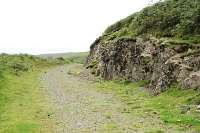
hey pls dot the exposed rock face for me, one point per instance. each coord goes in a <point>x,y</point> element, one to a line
<point>161,63</point>
<point>193,81</point>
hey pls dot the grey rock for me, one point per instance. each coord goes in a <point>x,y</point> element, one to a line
<point>193,81</point>
<point>139,59</point>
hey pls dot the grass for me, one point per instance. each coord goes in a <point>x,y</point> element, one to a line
<point>155,131</point>
<point>167,106</point>
<point>110,127</point>
<point>23,105</point>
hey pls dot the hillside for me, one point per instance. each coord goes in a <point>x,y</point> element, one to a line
<point>159,44</point>
<point>170,18</point>
<point>159,47</point>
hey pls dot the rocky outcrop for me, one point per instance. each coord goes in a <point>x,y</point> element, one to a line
<point>160,62</point>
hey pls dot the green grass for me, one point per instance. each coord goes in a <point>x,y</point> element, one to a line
<point>110,127</point>
<point>155,131</point>
<point>23,105</point>
<point>167,105</point>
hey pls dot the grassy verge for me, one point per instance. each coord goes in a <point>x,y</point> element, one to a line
<point>174,106</point>
<point>24,109</point>
<point>23,106</point>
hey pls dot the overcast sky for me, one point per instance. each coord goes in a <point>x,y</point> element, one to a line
<point>53,26</point>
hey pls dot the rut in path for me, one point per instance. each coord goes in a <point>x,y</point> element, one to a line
<point>78,107</point>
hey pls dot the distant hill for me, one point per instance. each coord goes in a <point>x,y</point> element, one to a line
<point>79,57</point>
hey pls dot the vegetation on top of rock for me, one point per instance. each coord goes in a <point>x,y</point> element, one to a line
<point>168,18</point>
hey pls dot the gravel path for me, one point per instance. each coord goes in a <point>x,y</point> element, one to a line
<point>79,108</point>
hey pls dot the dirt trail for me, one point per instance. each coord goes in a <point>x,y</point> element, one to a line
<point>80,108</point>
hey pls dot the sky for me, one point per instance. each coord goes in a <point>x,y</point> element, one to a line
<point>56,26</point>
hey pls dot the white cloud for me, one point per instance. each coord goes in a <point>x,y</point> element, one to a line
<point>46,26</point>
